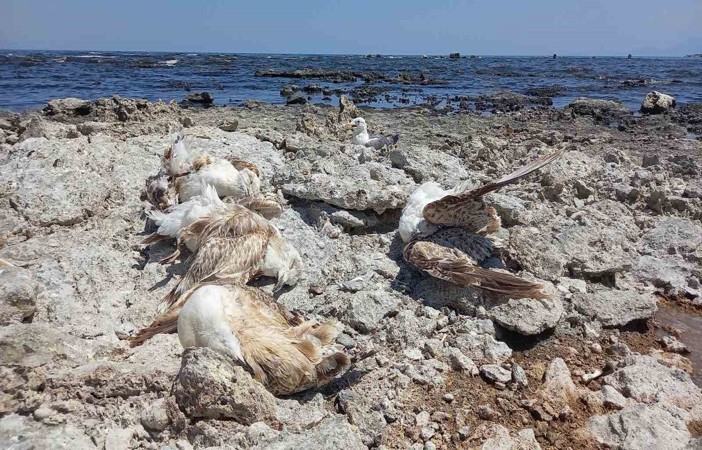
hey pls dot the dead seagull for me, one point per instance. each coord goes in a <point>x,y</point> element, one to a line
<point>247,325</point>
<point>361,137</point>
<point>445,231</point>
<point>233,248</point>
<point>221,173</point>
<point>177,217</point>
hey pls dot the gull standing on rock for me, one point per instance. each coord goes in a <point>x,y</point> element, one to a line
<point>361,137</point>
<point>444,234</point>
<point>244,323</point>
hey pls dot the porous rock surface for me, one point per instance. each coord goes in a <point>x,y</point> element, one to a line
<point>611,225</point>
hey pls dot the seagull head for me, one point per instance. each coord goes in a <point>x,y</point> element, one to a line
<point>357,125</point>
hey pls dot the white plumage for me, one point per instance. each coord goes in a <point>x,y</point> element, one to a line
<point>180,216</point>
<point>220,173</point>
<point>178,159</point>
<point>202,323</point>
<point>361,137</point>
<point>412,222</point>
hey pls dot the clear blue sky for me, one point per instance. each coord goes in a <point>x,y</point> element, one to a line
<point>497,27</point>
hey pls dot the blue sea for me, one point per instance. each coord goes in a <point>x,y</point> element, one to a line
<point>28,79</point>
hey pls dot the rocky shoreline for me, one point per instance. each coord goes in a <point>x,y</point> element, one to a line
<point>614,225</point>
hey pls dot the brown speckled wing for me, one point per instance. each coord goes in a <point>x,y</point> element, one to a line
<point>454,266</point>
<point>234,260</point>
<point>240,164</point>
<point>469,210</point>
<point>268,207</point>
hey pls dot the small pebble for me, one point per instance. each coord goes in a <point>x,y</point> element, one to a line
<point>464,433</point>
<point>426,433</point>
<point>596,348</point>
<point>448,397</point>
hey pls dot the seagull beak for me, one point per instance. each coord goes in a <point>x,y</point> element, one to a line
<point>350,126</point>
<point>279,285</point>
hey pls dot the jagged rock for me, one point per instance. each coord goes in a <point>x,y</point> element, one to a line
<point>210,386</point>
<point>497,437</point>
<point>22,432</point>
<point>424,164</point>
<point>365,310</point>
<point>512,210</point>
<point>303,413</point>
<point>38,344</point>
<point>613,308</point>
<point>155,416</point>
<point>69,106</point>
<point>296,99</point>
<point>671,274</point>
<point>640,426</point>
<point>495,373</point>
<point>119,438</point>
<point>612,397</point>
<point>230,125</point>
<point>519,376</point>
<point>601,110</point>
<point>657,103</point>
<point>644,379</point>
<point>477,341</point>
<point>332,434</point>
<point>199,98</point>
<point>558,388</point>
<point>528,316</point>
<point>673,345</point>
<point>595,244</point>
<point>341,181</point>
<point>347,110</point>
<point>461,362</point>
<point>18,295</point>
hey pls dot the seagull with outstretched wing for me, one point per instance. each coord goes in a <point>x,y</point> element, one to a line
<point>445,235</point>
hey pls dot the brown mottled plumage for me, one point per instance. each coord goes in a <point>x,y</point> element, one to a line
<point>468,209</point>
<point>246,324</point>
<point>240,164</point>
<point>267,205</point>
<point>451,244</point>
<point>232,248</point>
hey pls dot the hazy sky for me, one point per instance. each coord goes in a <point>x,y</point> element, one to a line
<point>497,27</point>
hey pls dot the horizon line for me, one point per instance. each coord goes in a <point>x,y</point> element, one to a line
<point>544,55</point>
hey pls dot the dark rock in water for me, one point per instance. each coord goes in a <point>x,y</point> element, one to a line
<point>333,76</point>
<point>690,116</point>
<point>601,110</point>
<point>505,101</point>
<point>69,106</point>
<point>312,89</point>
<point>657,103</point>
<point>289,89</point>
<point>636,82</point>
<point>296,99</point>
<point>454,56</point>
<point>368,94</point>
<point>198,98</point>
<point>546,91</point>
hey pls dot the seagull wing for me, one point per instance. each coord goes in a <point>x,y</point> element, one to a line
<point>469,210</point>
<point>240,164</point>
<point>452,265</point>
<point>383,141</point>
<point>234,260</point>
<point>267,207</point>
